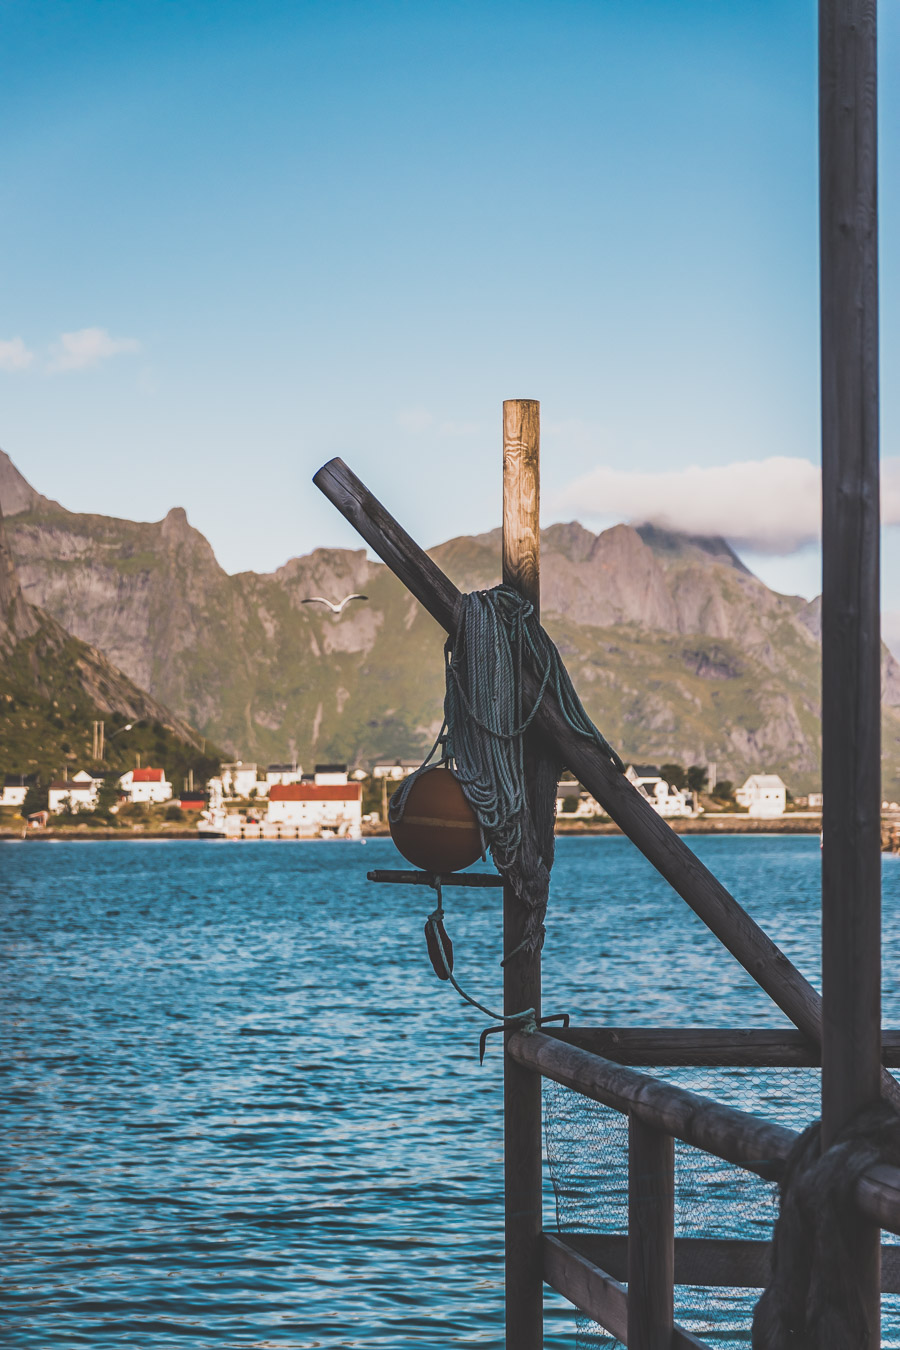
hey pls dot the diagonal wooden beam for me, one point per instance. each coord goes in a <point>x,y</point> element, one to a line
<point>631,811</point>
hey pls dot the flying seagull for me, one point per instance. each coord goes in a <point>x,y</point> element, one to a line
<point>335,609</point>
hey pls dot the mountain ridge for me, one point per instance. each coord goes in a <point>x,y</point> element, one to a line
<point>678,650</point>
<point>53,686</point>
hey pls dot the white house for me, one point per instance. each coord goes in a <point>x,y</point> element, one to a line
<point>310,807</point>
<point>283,773</point>
<point>15,786</point>
<point>670,802</point>
<point>146,785</point>
<point>400,768</point>
<point>763,794</point>
<point>76,794</point>
<point>574,802</point>
<point>239,779</point>
<point>330,775</point>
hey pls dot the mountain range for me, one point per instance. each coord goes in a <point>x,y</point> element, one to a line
<point>54,687</point>
<point>678,651</point>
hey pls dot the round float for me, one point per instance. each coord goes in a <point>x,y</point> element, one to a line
<point>438,830</point>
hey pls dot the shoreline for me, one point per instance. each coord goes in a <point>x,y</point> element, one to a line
<point>720,824</point>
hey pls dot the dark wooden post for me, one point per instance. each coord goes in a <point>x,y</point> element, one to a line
<point>522,975</point>
<point>651,1237</point>
<point>851,645</point>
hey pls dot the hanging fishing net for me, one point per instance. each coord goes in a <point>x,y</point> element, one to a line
<point>587,1155</point>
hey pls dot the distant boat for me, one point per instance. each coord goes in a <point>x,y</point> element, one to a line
<point>212,824</point>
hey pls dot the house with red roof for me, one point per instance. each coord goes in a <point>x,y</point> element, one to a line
<point>146,785</point>
<point>312,807</point>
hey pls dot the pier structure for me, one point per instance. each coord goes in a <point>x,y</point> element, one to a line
<point>626,1281</point>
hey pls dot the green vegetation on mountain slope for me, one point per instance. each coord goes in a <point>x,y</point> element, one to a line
<point>679,653</point>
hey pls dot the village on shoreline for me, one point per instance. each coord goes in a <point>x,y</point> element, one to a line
<point>334,801</point>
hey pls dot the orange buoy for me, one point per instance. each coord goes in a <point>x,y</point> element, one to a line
<point>438,830</point>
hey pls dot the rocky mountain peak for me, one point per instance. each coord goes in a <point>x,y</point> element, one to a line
<point>17,618</point>
<point>572,540</point>
<point>671,546</point>
<point>16,493</point>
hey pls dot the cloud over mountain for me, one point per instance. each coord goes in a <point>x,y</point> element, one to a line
<point>769,505</point>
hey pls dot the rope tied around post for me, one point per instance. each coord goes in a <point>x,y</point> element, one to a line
<point>813,1301</point>
<point>484,739</point>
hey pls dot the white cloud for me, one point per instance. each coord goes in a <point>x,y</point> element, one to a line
<point>88,347</point>
<point>14,355</point>
<point>770,505</point>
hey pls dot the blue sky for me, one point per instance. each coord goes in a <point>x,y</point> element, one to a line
<point>238,239</point>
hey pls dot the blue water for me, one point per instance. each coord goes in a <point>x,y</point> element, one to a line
<point>240,1110</point>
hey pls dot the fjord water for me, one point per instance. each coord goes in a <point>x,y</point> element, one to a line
<point>239,1109</point>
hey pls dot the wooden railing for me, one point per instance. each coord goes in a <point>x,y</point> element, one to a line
<point>627,1282</point>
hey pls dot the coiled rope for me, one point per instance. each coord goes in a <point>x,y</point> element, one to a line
<point>484,739</point>
<point>812,1301</point>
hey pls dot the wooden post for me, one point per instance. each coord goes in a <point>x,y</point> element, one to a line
<point>851,642</point>
<point>522,974</point>
<point>651,1237</point>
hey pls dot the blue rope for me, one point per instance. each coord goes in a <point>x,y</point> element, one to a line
<point>483,736</point>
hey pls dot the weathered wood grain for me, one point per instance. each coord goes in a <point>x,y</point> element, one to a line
<point>731,1047</point>
<point>522,1106</point>
<point>596,1293</point>
<point>851,638</point>
<point>737,1136</point>
<point>732,1263</point>
<point>591,1289</point>
<point>651,1236</point>
<point>522,497</point>
<point>406,878</point>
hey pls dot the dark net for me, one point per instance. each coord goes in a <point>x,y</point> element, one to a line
<point>587,1154</point>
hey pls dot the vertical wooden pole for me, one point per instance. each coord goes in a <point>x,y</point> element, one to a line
<point>851,646</point>
<point>522,974</point>
<point>651,1237</point>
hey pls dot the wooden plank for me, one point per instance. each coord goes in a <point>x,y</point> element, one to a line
<point>586,1285</point>
<point>851,642</point>
<point>595,1292</point>
<point>718,1263</point>
<point>878,1196</point>
<point>661,1047</point>
<point>522,1106</point>
<point>851,634</point>
<point>666,850</point>
<point>522,497</point>
<point>404,878</point>
<point>713,1047</point>
<point>651,1236</point>
<point>735,1263</point>
<point>736,1136</point>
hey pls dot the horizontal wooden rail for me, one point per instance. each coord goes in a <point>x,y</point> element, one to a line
<point>395,877</point>
<point>631,811</point>
<point>595,1292</point>
<point>724,1263</point>
<point>737,1137</point>
<point>699,1047</point>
